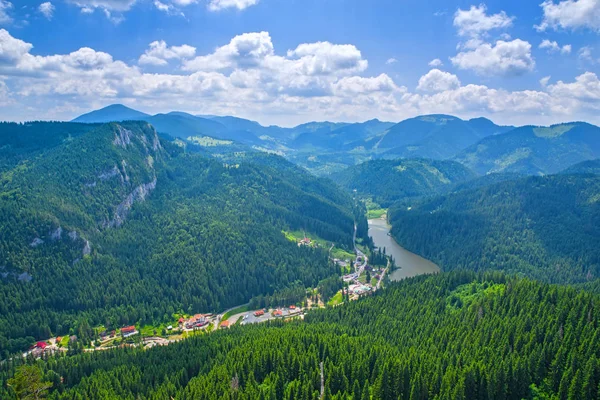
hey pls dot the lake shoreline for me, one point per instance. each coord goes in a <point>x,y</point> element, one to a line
<point>409,264</point>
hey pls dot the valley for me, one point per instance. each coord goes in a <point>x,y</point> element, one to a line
<point>299,200</point>
<point>142,241</point>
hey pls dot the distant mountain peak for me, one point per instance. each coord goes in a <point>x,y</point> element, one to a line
<point>111,113</point>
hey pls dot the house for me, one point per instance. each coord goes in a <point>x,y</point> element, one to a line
<point>128,331</point>
<point>225,324</point>
<point>197,321</point>
<point>292,307</point>
<point>259,313</point>
<point>72,338</point>
<point>278,313</point>
<point>59,339</point>
<point>41,345</point>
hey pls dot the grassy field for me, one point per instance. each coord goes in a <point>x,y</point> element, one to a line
<point>341,254</point>
<point>336,252</point>
<point>374,210</point>
<point>377,213</point>
<point>336,299</point>
<point>237,310</point>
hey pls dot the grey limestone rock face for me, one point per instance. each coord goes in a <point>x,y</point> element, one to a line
<point>122,137</point>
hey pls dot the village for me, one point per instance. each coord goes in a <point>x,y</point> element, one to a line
<point>362,279</point>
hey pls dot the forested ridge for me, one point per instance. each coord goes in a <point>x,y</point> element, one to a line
<point>116,226</point>
<point>547,228</point>
<point>456,335</point>
<point>388,181</point>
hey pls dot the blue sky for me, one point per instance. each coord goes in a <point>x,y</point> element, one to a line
<point>292,61</point>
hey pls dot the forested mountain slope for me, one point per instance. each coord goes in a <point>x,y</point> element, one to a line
<point>388,181</point>
<point>336,138</point>
<point>450,336</point>
<point>24,141</point>
<point>534,150</point>
<point>435,136</point>
<point>117,226</point>
<point>584,167</point>
<point>547,228</point>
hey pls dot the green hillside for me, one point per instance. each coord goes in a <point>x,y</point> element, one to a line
<point>25,141</point>
<point>534,150</point>
<point>117,226</point>
<point>450,336</point>
<point>346,137</point>
<point>543,227</point>
<point>388,181</point>
<point>584,167</point>
<point>435,136</point>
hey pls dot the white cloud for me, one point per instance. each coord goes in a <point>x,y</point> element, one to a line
<point>167,8</point>
<point>570,14</point>
<point>391,61</point>
<point>586,89</point>
<point>217,5</point>
<point>503,58</point>
<point>436,62</point>
<point>160,54</point>
<point>246,50</point>
<point>11,49</point>
<point>552,46</point>
<point>544,81</point>
<point>47,9</point>
<point>585,53</point>
<point>5,6</point>
<point>358,85</point>
<point>438,81</point>
<point>475,22</point>
<point>110,5</point>
<point>248,78</point>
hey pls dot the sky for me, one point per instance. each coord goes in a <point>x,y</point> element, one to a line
<point>287,62</point>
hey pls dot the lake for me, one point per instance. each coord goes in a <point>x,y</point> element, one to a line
<point>410,264</point>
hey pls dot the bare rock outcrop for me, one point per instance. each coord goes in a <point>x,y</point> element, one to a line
<point>56,234</point>
<point>122,137</point>
<point>138,194</point>
<point>36,242</point>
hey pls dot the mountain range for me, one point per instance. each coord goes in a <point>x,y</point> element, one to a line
<point>329,147</point>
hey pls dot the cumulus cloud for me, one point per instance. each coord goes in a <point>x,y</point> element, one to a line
<point>503,58</point>
<point>5,6</point>
<point>218,5</point>
<point>438,81</point>
<point>391,61</point>
<point>436,62</point>
<point>47,9</point>
<point>358,85</point>
<point>160,54</point>
<point>552,47</point>
<point>475,21</point>
<point>570,14</point>
<point>247,77</point>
